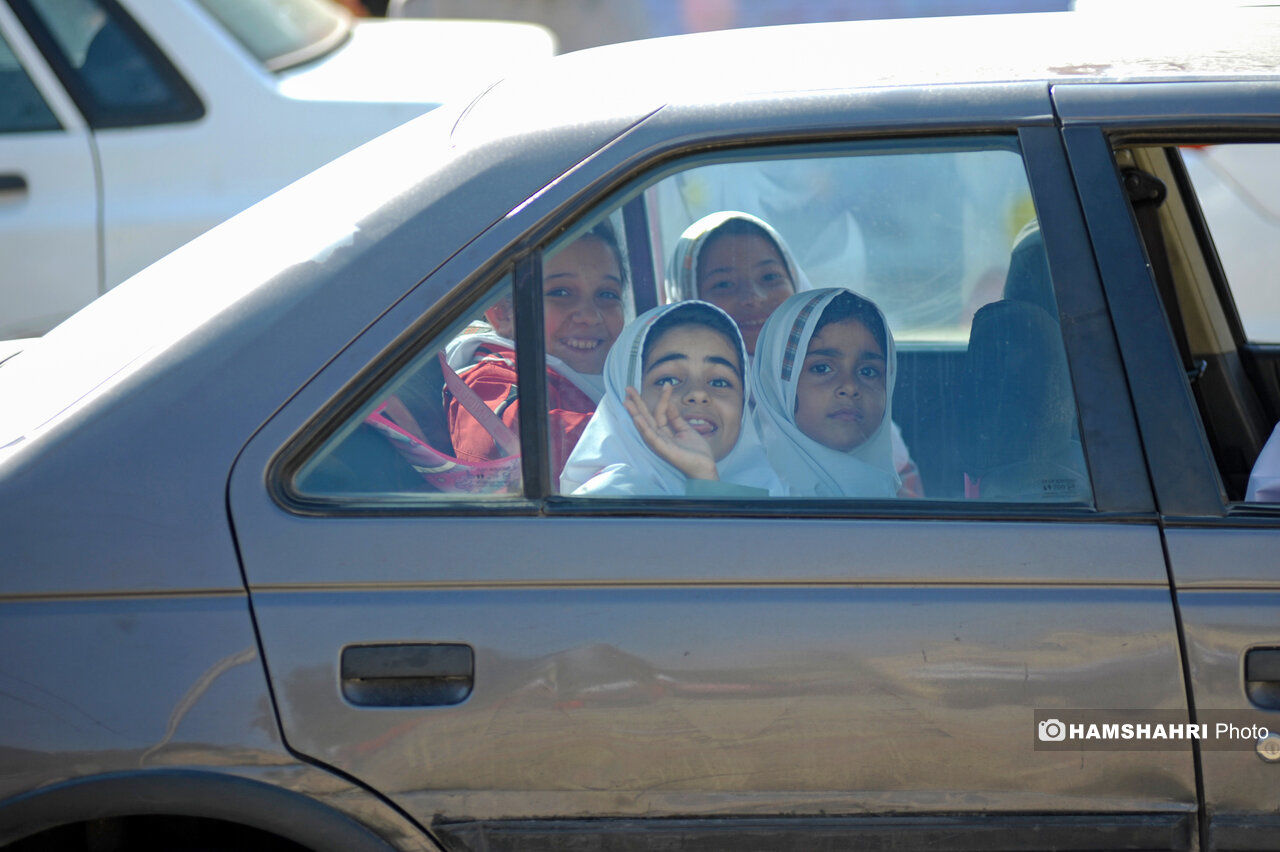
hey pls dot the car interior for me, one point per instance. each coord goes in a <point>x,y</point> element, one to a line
<point>1236,382</point>
<point>957,394</point>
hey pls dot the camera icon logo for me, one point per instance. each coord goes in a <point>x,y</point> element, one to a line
<point>1051,731</point>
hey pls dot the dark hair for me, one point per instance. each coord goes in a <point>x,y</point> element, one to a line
<point>603,231</point>
<point>693,313</point>
<point>740,228</point>
<point>847,306</point>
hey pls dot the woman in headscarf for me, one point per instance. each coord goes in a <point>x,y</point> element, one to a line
<point>673,419</point>
<point>822,380</point>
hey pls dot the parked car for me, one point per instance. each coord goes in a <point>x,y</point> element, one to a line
<point>127,127</point>
<point>239,608</point>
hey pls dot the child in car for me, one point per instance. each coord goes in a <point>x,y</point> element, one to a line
<point>583,292</point>
<point>741,264</point>
<point>822,379</point>
<point>673,418</point>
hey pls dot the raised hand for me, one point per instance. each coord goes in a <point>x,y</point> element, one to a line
<point>668,435</point>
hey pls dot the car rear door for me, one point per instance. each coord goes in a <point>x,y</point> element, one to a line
<point>48,193</point>
<point>1195,405</point>
<point>779,675</point>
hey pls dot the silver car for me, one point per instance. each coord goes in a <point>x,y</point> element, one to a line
<point>280,568</point>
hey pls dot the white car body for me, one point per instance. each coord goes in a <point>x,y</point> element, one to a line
<point>88,207</point>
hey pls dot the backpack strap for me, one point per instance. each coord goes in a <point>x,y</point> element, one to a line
<point>501,433</point>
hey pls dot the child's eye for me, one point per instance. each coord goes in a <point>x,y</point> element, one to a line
<point>870,372</point>
<point>723,284</point>
<point>775,279</point>
<point>556,293</point>
<point>821,369</point>
<point>610,295</point>
<point>666,380</point>
<point>720,383</point>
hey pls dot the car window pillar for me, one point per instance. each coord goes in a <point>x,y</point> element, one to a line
<point>1108,430</point>
<point>1181,464</point>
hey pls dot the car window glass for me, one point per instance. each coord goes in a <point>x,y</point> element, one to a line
<point>22,109</point>
<point>1238,187</point>
<point>941,375</point>
<point>112,71</point>
<point>281,33</point>
<point>444,426</point>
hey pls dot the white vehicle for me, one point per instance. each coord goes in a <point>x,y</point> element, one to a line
<point>127,127</point>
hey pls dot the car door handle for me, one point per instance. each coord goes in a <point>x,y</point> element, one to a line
<point>1262,677</point>
<point>407,675</point>
<point>13,183</point>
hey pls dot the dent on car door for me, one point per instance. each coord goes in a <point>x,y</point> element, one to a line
<point>505,660</point>
<point>1208,235</point>
<point>48,194</point>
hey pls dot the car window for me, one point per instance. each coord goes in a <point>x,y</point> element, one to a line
<point>22,109</point>
<point>868,322</point>
<point>1238,187</point>
<point>1236,383</point>
<point>282,33</point>
<point>115,74</point>
<point>893,333</point>
<point>444,426</point>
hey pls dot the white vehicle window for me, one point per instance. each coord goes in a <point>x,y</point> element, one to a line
<point>282,33</point>
<point>113,71</point>
<point>1238,187</point>
<point>22,109</point>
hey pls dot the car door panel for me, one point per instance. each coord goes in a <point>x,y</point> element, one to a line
<point>1222,559</point>
<point>49,217</point>
<point>670,663</point>
<point>682,675</point>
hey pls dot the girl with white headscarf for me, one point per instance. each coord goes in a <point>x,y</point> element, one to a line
<point>737,262</point>
<point>823,379</point>
<point>751,303</point>
<point>673,419</point>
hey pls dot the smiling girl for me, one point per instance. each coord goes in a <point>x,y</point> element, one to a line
<point>583,288</point>
<point>673,418</point>
<point>823,380</point>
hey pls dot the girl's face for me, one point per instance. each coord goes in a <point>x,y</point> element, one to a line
<point>840,395</point>
<point>582,303</point>
<point>745,275</point>
<point>705,375</point>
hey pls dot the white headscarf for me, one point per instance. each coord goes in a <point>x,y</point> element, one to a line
<point>1264,479</point>
<point>611,459</point>
<point>460,353</point>
<point>808,468</point>
<point>682,274</point>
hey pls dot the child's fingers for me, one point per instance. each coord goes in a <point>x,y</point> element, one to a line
<point>639,412</point>
<point>660,410</point>
<point>671,414</point>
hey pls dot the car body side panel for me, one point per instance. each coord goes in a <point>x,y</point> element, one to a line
<point>689,699</point>
<point>1223,562</point>
<point>112,691</point>
<point>1228,581</point>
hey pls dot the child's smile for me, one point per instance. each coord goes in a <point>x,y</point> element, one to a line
<point>704,373</point>
<point>582,303</point>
